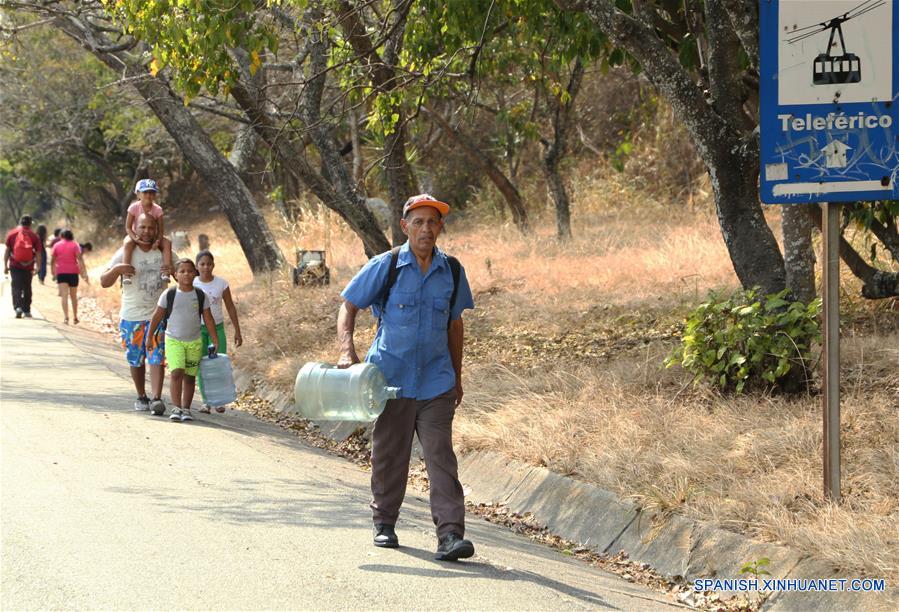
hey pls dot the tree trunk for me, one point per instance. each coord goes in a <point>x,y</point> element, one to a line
<point>399,178</point>
<point>218,174</point>
<point>715,127</point>
<point>15,204</point>
<point>220,177</point>
<point>556,187</point>
<point>799,255</point>
<point>878,284</point>
<point>562,112</point>
<point>753,250</point>
<point>503,184</point>
<point>343,200</point>
<point>241,156</point>
<point>886,232</point>
<point>383,76</point>
<point>358,160</point>
<point>321,131</point>
<point>127,196</point>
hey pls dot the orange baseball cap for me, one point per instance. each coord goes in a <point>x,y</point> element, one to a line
<point>424,199</point>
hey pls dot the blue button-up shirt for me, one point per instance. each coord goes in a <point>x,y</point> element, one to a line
<point>411,347</point>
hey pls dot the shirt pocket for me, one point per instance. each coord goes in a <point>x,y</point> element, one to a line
<point>402,308</point>
<point>440,313</point>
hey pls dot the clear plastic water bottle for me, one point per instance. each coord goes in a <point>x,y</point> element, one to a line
<point>324,392</point>
<point>218,378</point>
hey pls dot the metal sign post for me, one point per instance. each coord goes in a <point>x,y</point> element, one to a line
<point>829,123</point>
<point>831,288</point>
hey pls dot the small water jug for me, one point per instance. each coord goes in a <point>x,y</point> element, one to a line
<point>218,378</point>
<point>324,392</point>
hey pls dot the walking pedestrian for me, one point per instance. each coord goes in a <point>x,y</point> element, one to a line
<point>418,294</point>
<point>56,237</point>
<point>138,304</point>
<point>66,265</point>
<point>21,260</point>
<point>180,311</point>
<point>146,191</point>
<point>42,270</point>
<point>218,291</point>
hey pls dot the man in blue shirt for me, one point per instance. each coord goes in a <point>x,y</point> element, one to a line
<point>418,347</point>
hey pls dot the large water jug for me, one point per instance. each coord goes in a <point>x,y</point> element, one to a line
<point>324,392</point>
<point>218,378</point>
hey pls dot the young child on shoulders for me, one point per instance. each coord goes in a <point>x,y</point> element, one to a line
<point>182,308</point>
<point>146,191</point>
<point>219,292</point>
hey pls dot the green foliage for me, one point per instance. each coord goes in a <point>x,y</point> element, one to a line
<point>747,339</point>
<point>864,214</point>
<point>68,130</point>
<point>756,568</point>
<point>621,153</point>
<point>192,38</point>
<point>507,54</point>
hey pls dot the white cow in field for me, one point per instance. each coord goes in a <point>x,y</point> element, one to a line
<point>381,210</point>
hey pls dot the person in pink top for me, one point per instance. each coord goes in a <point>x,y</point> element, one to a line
<point>66,265</point>
<point>146,205</point>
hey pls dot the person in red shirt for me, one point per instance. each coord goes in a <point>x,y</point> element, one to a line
<point>23,251</point>
<point>66,265</point>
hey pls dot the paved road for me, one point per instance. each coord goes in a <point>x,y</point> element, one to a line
<point>103,507</point>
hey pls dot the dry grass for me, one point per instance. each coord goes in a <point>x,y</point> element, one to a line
<point>563,369</point>
<point>751,464</point>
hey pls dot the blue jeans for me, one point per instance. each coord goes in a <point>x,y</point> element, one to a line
<point>42,271</point>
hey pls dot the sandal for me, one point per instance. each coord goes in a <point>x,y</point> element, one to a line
<point>76,321</point>
<point>66,320</point>
<point>204,410</point>
<point>220,409</point>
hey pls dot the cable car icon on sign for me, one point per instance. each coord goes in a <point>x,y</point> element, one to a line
<point>835,69</point>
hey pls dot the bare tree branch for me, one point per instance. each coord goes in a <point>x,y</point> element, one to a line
<point>876,283</point>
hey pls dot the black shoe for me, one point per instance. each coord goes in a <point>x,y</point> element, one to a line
<point>27,314</point>
<point>18,313</point>
<point>385,536</point>
<point>452,548</point>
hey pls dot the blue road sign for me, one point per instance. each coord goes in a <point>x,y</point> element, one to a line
<point>829,86</point>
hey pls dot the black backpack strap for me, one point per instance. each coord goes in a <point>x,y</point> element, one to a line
<point>169,302</point>
<point>456,269</point>
<point>201,300</point>
<point>392,274</point>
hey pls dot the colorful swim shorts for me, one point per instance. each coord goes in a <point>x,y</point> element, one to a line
<point>134,341</point>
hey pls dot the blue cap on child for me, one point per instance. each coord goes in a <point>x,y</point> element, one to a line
<point>145,185</point>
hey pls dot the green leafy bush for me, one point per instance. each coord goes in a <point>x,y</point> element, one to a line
<point>746,339</point>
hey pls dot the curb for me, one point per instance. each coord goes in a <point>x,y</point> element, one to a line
<point>673,545</point>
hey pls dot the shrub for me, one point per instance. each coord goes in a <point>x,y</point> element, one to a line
<point>746,339</point>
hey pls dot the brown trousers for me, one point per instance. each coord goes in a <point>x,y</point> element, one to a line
<point>391,451</point>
